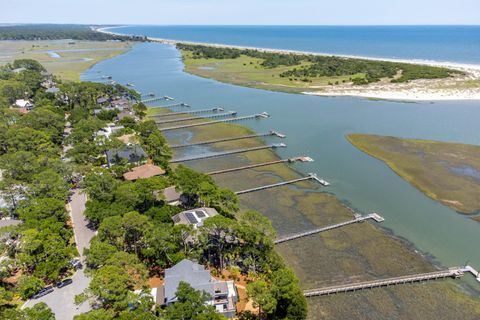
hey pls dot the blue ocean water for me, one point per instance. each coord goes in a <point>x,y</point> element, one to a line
<point>439,43</point>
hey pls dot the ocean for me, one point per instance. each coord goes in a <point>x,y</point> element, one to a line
<point>460,44</point>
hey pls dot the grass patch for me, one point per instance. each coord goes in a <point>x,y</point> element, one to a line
<point>446,172</point>
<point>71,64</point>
<point>297,73</point>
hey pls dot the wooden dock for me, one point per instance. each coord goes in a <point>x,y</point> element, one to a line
<point>166,98</point>
<point>198,111</point>
<point>213,116</point>
<point>310,176</point>
<point>290,160</point>
<point>374,216</point>
<point>254,116</point>
<point>449,273</point>
<point>251,136</point>
<point>227,153</point>
<point>181,104</point>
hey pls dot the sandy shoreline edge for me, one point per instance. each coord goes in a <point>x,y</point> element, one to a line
<point>418,90</point>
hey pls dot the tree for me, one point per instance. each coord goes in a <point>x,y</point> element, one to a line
<point>96,211</point>
<point>28,286</point>
<point>100,314</point>
<point>135,227</point>
<point>162,247</point>
<point>191,304</point>
<point>99,253</point>
<point>189,181</point>
<point>48,184</point>
<point>157,147</point>
<point>100,185</point>
<point>257,236</point>
<point>43,208</point>
<point>140,109</point>
<point>136,271</point>
<point>223,200</point>
<point>291,301</point>
<point>261,294</point>
<point>111,286</point>
<point>218,235</point>
<point>40,311</point>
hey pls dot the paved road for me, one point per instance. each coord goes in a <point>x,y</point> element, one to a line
<point>61,301</point>
<point>83,234</point>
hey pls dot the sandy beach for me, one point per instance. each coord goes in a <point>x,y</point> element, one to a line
<point>465,87</point>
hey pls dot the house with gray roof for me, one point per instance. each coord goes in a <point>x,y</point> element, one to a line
<point>223,295</point>
<point>132,153</point>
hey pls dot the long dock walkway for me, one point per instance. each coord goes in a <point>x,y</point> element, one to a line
<point>198,111</point>
<point>374,216</point>
<point>213,116</point>
<point>181,104</point>
<point>310,176</point>
<point>166,98</point>
<point>227,153</point>
<point>254,116</point>
<point>455,272</point>
<point>251,136</point>
<point>263,164</point>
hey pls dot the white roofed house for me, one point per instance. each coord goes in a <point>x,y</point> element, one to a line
<point>108,130</point>
<point>23,103</point>
<point>223,295</point>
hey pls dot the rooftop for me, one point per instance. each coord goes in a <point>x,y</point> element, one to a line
<point>194,217</point>
<point>143,172</point>
<point>171,194</point>
<point>132,153</point>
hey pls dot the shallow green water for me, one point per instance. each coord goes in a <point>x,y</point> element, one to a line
<point>316,127</point>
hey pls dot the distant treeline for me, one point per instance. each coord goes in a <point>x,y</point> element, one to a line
<point>58,31</point>
<point>326,66</point>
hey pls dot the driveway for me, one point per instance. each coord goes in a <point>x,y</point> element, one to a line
<point>61,301</point>
<point>83,234</point>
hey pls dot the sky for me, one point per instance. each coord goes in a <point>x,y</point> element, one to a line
<point>242,12</point>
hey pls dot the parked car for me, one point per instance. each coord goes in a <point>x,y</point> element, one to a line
<point>43,292</point>
<point>63,283</point>
<point>76,263</point>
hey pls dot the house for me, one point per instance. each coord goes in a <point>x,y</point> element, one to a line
<point>131,153</point>
<point>53,90</point>
<point>126,113</point>
<point>108,130</point>
<point>18,70</point>
<point>223,293</point>
<point>143,172</point>
<point>102,100</point>
<point>121,104</point>
<point>22,103</point>
<point>128,138</point>
<point>48,83</point>
<point>171,196</point>
<point>194,217</point>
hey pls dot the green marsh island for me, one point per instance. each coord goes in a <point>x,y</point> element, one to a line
<point>323,75</point>
<point>446,172</point>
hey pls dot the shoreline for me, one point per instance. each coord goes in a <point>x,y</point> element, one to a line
<point>417,90</point>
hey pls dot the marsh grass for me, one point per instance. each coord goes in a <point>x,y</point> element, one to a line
<point>446,172</point>
<point>354,253</point>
